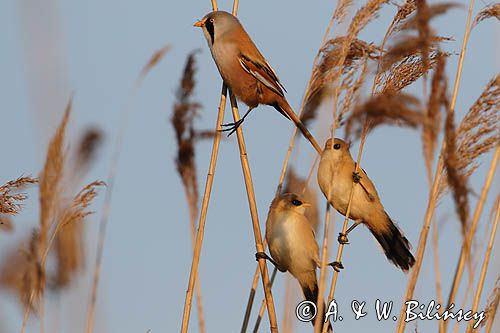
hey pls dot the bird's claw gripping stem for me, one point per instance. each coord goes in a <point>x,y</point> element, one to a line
<point>231,127</point>
<point>356,177</point>
<point>336,265</point>
<point>342,239</point>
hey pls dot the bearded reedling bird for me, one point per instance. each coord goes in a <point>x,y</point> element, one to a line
<point>244,70</point>
<point>292,243</point>
<point>335,178</point>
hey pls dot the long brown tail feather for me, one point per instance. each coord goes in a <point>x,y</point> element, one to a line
<point>284,108</point>
<point>395,245</point>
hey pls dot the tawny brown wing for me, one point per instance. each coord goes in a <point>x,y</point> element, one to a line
<point>263,72</point>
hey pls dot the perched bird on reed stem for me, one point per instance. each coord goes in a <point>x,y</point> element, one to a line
<point>292,243</point>
<point>335,178</point>
<point>244,70</point>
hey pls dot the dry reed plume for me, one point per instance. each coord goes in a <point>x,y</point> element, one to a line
<point>437,100</point>
<point>25,272</point>
<point>392,108</point>
<point>340,70</point>
<point>490,11</point>
<point>10,198</point>
<point>182,119</point>
<point>69,241</point>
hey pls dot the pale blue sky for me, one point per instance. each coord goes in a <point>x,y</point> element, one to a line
<point>96,49</point>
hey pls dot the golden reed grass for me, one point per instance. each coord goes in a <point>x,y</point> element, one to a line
<point>26,271</point>
<point>206,198</point>
<point>340,70</point>
<point>115,156</point>
<point>433,194</point>
<point>255,218</point>
<point>10,197</point>
<point>338,14</point>
<point>486,260</point>
<point>182,119</point>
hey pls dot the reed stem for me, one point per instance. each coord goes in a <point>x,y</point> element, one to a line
<point>285,166</point>
<point>203,214</point>
<point>472,230</point>
<point>433,195</point>
<point>255,218</point>
<point>486,261</point>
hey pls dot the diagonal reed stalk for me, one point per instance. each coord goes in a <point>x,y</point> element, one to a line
<point>203,214</point>
<point>275,271</point>
<point>340,249</point>
<point>472,229</point>
<point>206,199</point>
<point>255,217</point>
<point>115,157</point>
<point>433,194</point>
<point>318,326</point>
<point>263,304</point>
<point>486,261</point>
<point>255,280</point>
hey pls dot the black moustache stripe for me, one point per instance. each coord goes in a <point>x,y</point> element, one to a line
<point>210,28</point>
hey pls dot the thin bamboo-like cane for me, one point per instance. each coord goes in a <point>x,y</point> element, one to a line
<point>410,287</point>
<point>318,325</point>
<point>263,304</point>
<point>486,261</point>
<point>203,214</point>
<point>284,169</point>
<point>275,270</point>
<point>89,323</point>
<point>346,220</point>
<point>437,270</point>
<point>255,217</point>
<point>206,198</point>
<point>472,229</point>
<point>302,104</point>
<point>193,215</point>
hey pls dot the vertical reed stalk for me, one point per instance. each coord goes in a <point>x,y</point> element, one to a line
<point>263,303</point>
<point>437,270</point>
<point>346,220</point>
<point>486,261</point>
<point>103,223</point>
<point>410,287</point>
<point>206,198</point>
<point>89,323</point>
<point>203,215</point>
<point>251,298</point>
<point>285,166</point>
<point>193,214</point>
<point>302,104</point>
<point>255,218</point>
<point>318,326</point>
<point>472,230</point>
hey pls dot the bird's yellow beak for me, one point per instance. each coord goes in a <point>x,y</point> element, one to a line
<point>198,24</point>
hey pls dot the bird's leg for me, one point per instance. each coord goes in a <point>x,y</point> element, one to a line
<point>336,265</point>
<point>342,239</point>
<point>232,127</point>
<point>263,255</point>
<point>356,177</point>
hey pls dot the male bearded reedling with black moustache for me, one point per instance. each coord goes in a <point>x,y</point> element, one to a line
<point>292,244</point>
<point>244,69</point>
<point>335,178</point>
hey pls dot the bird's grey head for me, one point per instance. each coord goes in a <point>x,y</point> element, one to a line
<point>290,202</point>
<point>215,24</point>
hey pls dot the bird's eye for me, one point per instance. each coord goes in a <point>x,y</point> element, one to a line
<point>296,202</point>
<point>212,20</point>
<point>336,146</point>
